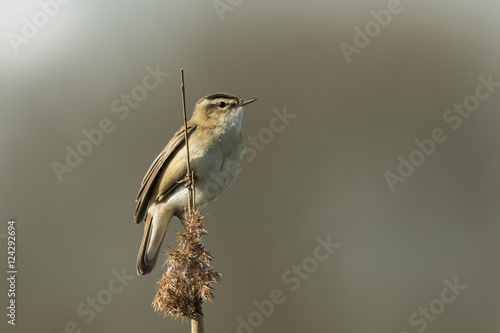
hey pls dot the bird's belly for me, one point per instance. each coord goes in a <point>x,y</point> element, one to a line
<point>215,175</point>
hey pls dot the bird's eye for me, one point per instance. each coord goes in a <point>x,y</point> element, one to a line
<point>222,105</point>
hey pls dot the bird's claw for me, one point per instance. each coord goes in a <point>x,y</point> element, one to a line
<point>186,180</point>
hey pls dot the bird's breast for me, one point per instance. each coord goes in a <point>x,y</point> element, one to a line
<point>216,168</point>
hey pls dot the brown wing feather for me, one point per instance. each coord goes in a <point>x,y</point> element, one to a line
<point>143,197</point>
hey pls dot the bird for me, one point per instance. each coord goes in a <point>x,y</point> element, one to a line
<point>216,148</point>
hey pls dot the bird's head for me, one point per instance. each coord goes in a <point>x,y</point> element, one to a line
<point>220,110</point>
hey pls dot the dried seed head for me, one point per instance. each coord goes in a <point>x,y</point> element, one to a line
<point>189,279</point>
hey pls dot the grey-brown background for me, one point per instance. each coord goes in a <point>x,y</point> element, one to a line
<point>322,175</point>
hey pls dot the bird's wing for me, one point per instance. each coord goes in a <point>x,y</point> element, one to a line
<point>155,170</point>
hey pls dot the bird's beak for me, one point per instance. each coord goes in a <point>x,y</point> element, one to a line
<point>244,102</point>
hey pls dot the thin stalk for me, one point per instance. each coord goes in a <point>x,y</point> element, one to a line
<point>190,175</point>
<point>197,324</point>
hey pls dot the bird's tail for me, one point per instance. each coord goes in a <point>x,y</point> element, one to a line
<point>154,231</point>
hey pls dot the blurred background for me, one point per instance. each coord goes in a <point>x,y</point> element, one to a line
<point>344,89</point>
